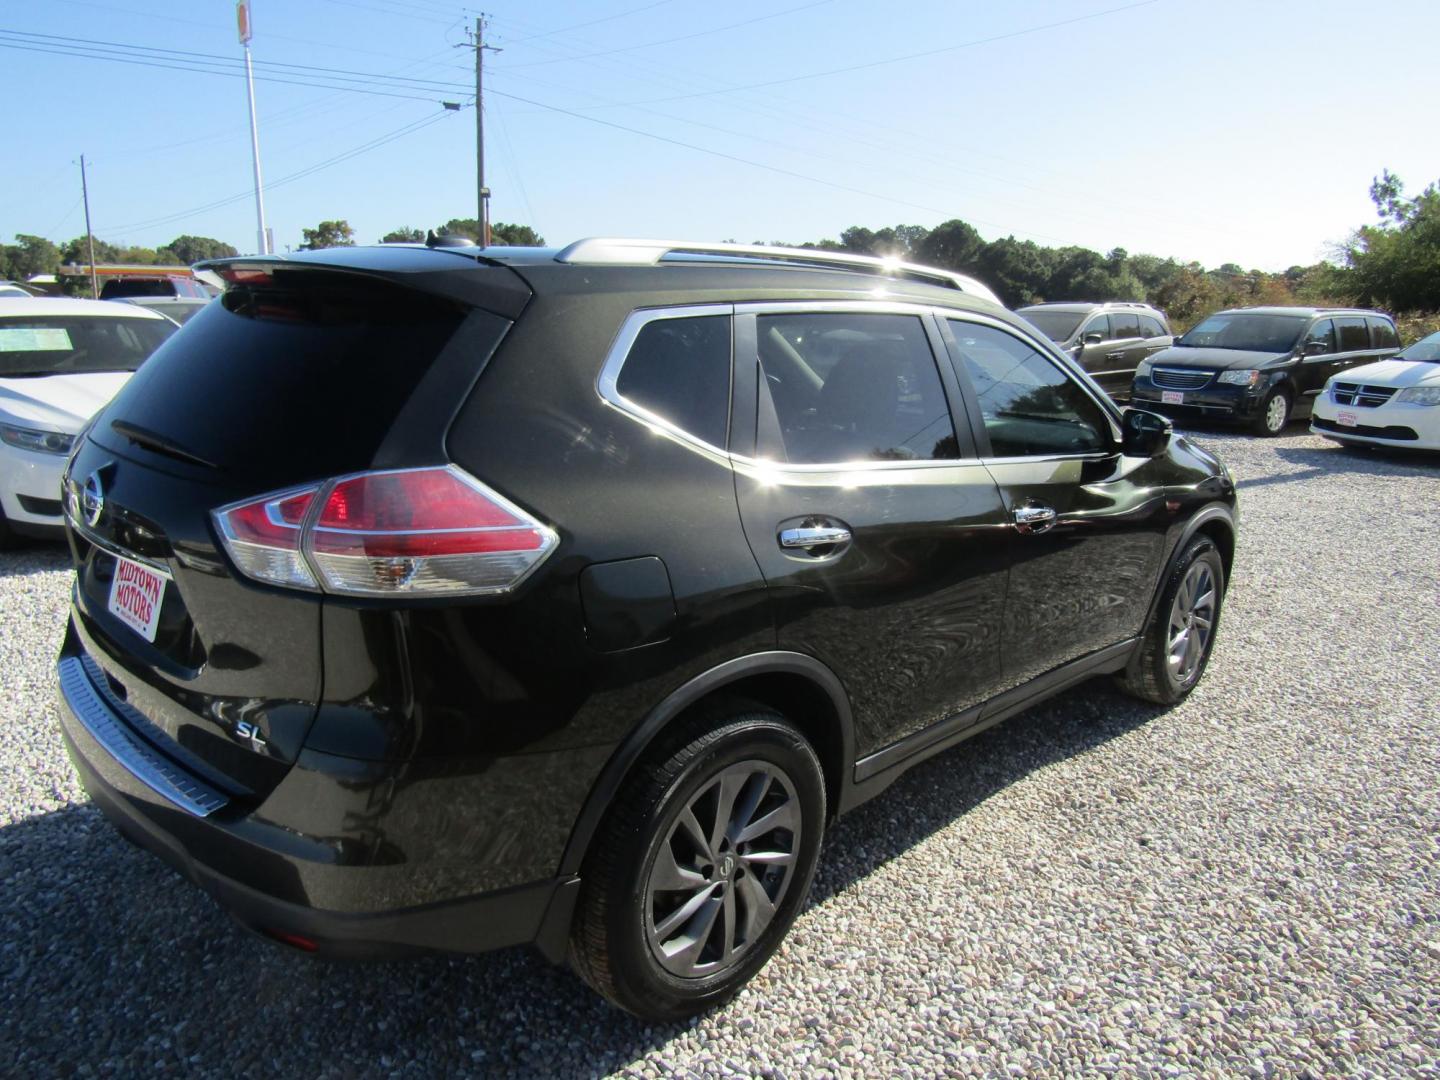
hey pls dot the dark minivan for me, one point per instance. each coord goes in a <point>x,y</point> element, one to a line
<point>1261,366</point>
<point>450,599</point>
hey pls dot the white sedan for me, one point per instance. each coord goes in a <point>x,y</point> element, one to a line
<point>1393,403</point>
<point>61,361</point>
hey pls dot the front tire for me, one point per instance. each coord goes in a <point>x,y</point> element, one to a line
<point>1177,643</point>
<point>701,865</point>
<point>1274,414</point>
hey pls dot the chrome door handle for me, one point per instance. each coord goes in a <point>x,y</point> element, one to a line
<point>1034,519</point>
<point>1114,356</point>
<point>813,536</point>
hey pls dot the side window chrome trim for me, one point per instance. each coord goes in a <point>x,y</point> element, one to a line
<point>606,384</point>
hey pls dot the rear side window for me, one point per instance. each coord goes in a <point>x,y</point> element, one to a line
<point>299,375</point>
<point>1151,328</point>
<point>1353,334</point>
<point>1031,407</point>
<point>1382,334</point>
<point>1124,324</point>
<point>852,387</point>
<point>679,370</point>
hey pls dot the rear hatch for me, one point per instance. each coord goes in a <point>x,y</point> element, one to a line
<point>295,374</point>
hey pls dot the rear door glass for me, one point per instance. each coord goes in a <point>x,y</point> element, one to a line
<point>1353,334</point>
<point>1124,325</point>
<point>852,387</point>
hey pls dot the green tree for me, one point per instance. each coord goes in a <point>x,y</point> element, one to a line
<point>502,232</point>
<point>328,234</point>
<point>404,235</point>
<point>28,256</point>
<point>1396,264</point>
<point>951,245</point>
<point>462,227</point>
<point>188,250</point>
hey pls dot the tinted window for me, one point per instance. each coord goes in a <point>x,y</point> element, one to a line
<point>1098,325</point>
<point>1353,334</point>
<point>679,369</point>
<point>853,388</point>
<point>1323,332</point>
<point>1124,324</point>
<point>1382,334</point>
<point>1247,331</point>
<point>1030,405</point>
<point>1151,328</point>
<point>1056,325</point>
<point>56,345</point>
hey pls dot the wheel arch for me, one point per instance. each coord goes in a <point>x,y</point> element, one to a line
<point>1215,521</point>
<point>796,685</point>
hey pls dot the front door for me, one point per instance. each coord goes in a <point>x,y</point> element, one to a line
<point>1087,524</point>
<point>881,537</point>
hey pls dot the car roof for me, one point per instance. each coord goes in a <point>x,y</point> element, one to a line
<point>1276,309</point>
<point>157,301</point>
<point>51,305</point>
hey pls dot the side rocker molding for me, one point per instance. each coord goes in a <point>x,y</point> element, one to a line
<point>767,663</point>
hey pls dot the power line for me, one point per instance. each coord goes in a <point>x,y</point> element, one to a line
<point>594,22</point>
<point>673,40</point>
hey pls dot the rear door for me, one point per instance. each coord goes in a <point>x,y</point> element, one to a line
<point>293,377</point>
<point>1086,525</point>
<point>1353,349</point>
<point>880,535</point>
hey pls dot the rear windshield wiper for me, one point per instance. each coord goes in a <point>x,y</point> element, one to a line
<point>151,440</point>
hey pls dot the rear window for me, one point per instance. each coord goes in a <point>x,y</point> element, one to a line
<point>1382,334</point>
<point>67,345</point>
<point>299,377</point>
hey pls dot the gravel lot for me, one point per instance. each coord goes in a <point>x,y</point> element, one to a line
<point>1248,884</point>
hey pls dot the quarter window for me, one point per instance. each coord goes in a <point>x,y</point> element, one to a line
<point>852,387</point>
<point>1031,407</point>
<point>1353,334</point>
<point>1382,334</point>
<point>1323,332</point>
<point>1123,325</point>
<point>679,369</point>
<point>1151,328</point>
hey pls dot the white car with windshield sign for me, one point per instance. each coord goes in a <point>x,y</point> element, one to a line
<point>1393,403</point>
<point>61,361</point>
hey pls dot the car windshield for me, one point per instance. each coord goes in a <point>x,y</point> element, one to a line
<point>1247,331</point>
<point>1056,325</point>
<point>67,344</point>
<point>1427,349</point>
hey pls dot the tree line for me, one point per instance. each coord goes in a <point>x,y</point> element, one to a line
<point>1393,264</point>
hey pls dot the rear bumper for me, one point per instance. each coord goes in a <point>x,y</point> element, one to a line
<point>276,880</point>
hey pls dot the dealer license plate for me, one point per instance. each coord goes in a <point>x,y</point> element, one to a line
<point>136,594</point>
<point>1172,397</point>
<point>1347,419</point>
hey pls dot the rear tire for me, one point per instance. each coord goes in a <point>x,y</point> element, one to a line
<point>1176,645</point>
<point>1274,414</point>
<point>681,900</point>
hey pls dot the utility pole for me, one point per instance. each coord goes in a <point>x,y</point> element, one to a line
<point>242,19</point>
<point>89,236</point>
<point>482,193</point>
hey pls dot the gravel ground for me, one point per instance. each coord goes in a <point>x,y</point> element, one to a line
<point>1248,884</point>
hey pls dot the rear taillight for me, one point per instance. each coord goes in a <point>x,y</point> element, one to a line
<point>435,531</point>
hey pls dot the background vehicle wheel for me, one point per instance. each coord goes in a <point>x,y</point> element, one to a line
<point>8,539</point>
<point>1274,414</point>
<point>1177,642</point>
<point>701,864</point>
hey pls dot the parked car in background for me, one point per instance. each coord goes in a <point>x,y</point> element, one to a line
<point>60,361</point>
<point>1393,403</point>
<point>10,291</point>
<point>177,309</point>
<point>168,285</point>
<point>567,596</point>
<point>1261,365</point>
<point>1108,340</point>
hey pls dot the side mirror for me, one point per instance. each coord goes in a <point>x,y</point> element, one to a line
<point>1093,338</point>
<point>1316,348</point>
<point>1144,434</point>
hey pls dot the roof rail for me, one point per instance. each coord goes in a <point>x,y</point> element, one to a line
<point>609,251</point>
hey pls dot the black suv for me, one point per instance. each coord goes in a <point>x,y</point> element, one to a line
<point>452,599</point>
<point>1261,365</point>
<point>1110,340</point>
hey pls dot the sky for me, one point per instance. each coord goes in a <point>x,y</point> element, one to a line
<point>1244,131</point>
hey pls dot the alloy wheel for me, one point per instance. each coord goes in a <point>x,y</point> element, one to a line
<point>1275,413</point>
<point>1192,622</point>
<point>722,870</point>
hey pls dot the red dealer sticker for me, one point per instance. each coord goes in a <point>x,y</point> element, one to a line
<point>136,595</point>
